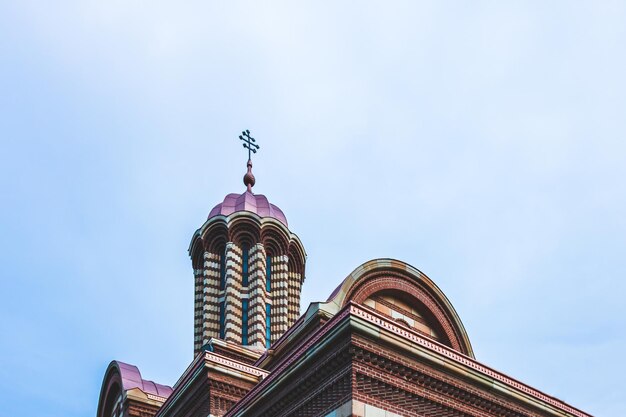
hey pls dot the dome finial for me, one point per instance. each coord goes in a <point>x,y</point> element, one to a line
<point>248,179</point>
<point>248,143</point>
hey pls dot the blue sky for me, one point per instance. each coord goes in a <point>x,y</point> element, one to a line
<point>481,142</point>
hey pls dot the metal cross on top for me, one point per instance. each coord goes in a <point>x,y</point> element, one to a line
<point>248,142</point>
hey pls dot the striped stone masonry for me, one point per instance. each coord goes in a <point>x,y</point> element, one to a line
<point>232,296</point>
<point>294,289</point>
<point>257,296</point>
<point>197,310</point>
<point>219,312</point>
<point>279,295</point>
<point>284,297</point>
<point>211,290</point>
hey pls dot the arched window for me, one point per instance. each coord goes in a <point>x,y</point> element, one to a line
<point>222,320</point>
<point>244,266</point>
<point>223,270</point>
<point>268,324</point>
<point>268,274</point>
<point>244,321</point>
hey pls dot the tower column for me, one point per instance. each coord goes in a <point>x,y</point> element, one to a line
<point>257,297</point>
<point>211,290</point>
<point>197,308</point>
<point>232,294</point>
<point>294,287</point>
<point>253,303</point>
<point>279,296</point>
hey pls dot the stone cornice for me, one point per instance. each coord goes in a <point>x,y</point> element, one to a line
<point>376,325</point>
<point>456,362</point>
<point>234,364</point>
<point>285,367</point>
<point>213,361</point>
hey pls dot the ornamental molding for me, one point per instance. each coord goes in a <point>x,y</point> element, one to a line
<point>383,323</point>
<point>156,398</point>
<point>277,373</point>
<point>235,365</point>
<point>430,385</point>
<point>405,333</point>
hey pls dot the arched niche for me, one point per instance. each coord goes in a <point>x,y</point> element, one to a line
<point>403,293</point>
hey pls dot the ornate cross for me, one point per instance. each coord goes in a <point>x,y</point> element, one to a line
<point>248,142</point>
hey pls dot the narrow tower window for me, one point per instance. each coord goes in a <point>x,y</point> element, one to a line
<point>268,274</point>
<point>223,270</point>
<point>222,320</point>
<point>268,324</point>
<point>244,266</point>
<point>244,322</point>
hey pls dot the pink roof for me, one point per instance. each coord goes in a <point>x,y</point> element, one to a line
<point>131,378</point>
<point>255,203</point>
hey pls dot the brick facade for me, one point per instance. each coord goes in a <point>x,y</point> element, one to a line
<point>346,357</point>
<point>386,343</point>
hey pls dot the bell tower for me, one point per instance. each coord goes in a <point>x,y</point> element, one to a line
<point>248,269</point>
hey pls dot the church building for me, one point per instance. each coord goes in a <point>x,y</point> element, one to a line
<point>386,343</point>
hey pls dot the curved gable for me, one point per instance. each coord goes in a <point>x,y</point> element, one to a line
<point>120,378</point>
<point>408,296</point>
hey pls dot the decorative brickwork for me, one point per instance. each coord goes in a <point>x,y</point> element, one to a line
<point>139,409</point>
<point>211,385</point>
<point>279,296</point>
<point>371,349</point>
<point>257,297</point>
<point>402,384</point>
<point>224,392</point>
<point>390,276</point>
<point>264,237</point>
<point>314,390</point>
<point>294,288</point>
<point>393,369</point>
<point>386,343</point>
<point>232,296</point>
<point>197,309</point>
<point>411,318</point>
<point>211,290</point>
<point>394,281</point>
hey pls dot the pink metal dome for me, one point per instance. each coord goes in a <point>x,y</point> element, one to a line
<point>255,203</point>
<point>131,378</point>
